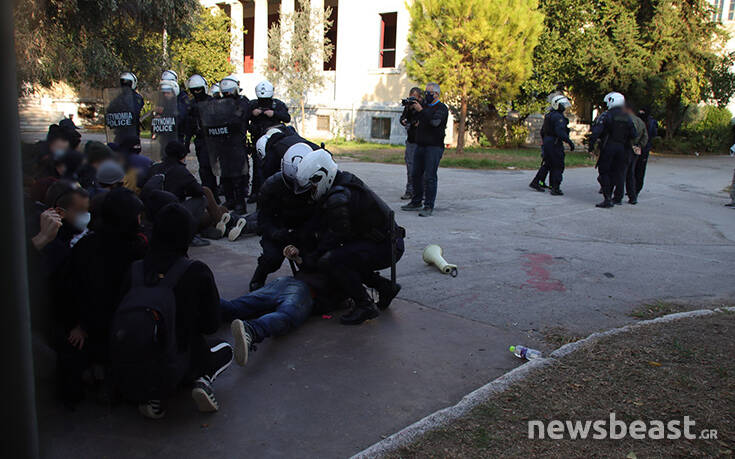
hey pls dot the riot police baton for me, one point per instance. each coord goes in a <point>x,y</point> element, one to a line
<point>391,218</point>
<point>294,269</point>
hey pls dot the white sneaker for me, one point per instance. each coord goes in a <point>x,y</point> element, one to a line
<point>203,396</point>
<point>237,229</point>
<point>243,341</point>
<point>152,410</point>
<point>222,224</point>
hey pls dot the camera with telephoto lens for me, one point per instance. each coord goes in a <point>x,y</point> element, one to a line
<point>409,101</point>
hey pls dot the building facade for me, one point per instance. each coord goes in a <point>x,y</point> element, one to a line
<point>365,78</point>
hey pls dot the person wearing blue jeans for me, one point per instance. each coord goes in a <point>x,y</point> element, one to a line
<point>431,118</point>
<point>276,309</point>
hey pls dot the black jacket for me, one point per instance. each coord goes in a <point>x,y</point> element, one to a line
<point>408,119</point>
<point>178,180</point>
<point>259,124</point>
<point>432,123</point>
<point>282,215</point>
<point>277,146</point>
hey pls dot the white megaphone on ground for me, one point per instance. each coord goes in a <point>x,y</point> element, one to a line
<point>433,256</point>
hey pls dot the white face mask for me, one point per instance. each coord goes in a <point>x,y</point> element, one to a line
<point>81,221</point>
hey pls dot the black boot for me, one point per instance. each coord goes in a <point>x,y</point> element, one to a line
<point>556,191</point>
<point>606,204</point>
<point>240,193</point>
<point>536,186</point>
<point>228,190</point>
<point>384,287</point>
<point>362,311</point>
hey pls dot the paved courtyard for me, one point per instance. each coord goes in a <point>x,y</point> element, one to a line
<point>527,261</point>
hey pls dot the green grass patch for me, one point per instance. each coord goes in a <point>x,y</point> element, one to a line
<point>472,158</point>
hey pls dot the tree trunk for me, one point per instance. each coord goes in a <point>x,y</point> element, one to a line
<point>303,115</point>
<point>462,125</point>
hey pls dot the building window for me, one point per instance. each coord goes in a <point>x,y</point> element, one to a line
<point>388,39</point>
<point>717,14</point>
<point>248,37</point>
<point>731,12</point>
<point>322,122</point>
<point>380,128</point>
<point>331,34</point>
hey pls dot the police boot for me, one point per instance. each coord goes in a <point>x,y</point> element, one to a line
<point>228,190</point>
<point>360,312</point>
<point>556,191</point>
<point>607,203</point>
<point>385,288</point>
<point>240,194</point>
<point>536,186</point>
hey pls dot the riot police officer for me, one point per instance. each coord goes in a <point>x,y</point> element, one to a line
<point>122,111</point>
<point>215,91</point>
<point>225,121</point>
<point>198,88</point>
<point>615,129</point>
<point>273,145</point>
<point>182,98</point>
<point>283,216</point>
<point>353,235</point>
<point>554,133</point>
<point>265,112</point>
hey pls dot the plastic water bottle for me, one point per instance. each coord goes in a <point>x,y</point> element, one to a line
<point>524,352</point>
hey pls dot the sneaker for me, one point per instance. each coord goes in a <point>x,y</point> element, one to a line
<point>412,207</point>
<point>222,224</point>
<point>237,229</point>
<point>730,204</point>
<point>199,242</point>
<point>426,212</point>
<point>360,313</point>
<point>556,192</point>
<point>406,196</point>
<point>153,409</point>
<point>543,185</point>
<point>243,337</point>
<point>386,293</point>
<point>536,186</point>
<point>211,233</point>
<point>203,396</point>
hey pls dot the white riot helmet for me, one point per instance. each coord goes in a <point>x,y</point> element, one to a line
<point>169,85</point>
<point>290,163</point>
<point>264,90</point>
<point>614,99</point>
<point>316,173</point>
<point>196,81</point>
<point>170,75</point>
<point>229,85</point>
<point>263,140</point>
<point>215,90</point>
<point>560,102</point>
<point>129,77</point>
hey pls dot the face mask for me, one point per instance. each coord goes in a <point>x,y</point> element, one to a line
<point>428,98</point>
<point>58,154</point>
<point>81,221</point>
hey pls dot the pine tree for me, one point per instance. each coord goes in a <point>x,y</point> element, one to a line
<point>477,50</point>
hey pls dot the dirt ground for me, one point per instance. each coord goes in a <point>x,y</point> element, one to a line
<point>659,372</point>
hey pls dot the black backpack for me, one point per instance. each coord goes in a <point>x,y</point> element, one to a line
<point>145,360</point>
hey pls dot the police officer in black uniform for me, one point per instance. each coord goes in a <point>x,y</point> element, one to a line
<point>283,216</point>
<point>615,129</point>
<point>554,133</point>
<point>265,112</point>
<point>198,88</point>
<point>129,80</point>
<point>353,235</point>
<point>237,187</point>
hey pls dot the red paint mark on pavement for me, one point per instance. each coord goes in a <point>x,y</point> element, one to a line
<point>538,276</point>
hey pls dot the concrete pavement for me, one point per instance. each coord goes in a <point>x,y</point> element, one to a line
<point>526,261</point>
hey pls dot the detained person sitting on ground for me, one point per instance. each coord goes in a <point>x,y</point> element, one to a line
<point>431,116</point>
<point>148,376</point>
<point>93,278</point>
<point>353,234</point>
<point>173,176</point>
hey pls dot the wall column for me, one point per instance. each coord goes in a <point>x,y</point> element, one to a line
<point>237,51</point>
<point>260,36</point>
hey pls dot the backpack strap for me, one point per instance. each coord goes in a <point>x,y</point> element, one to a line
<point>137,274</point>
<point>174,273</point>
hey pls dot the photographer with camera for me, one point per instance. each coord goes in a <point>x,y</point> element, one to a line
<point>431,118</point>
<point>408,120</point>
